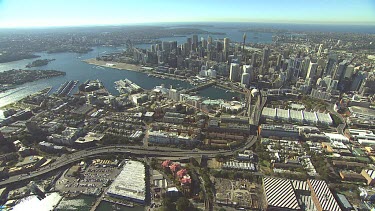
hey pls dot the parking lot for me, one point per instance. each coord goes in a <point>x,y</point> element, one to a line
<point>91,180</point>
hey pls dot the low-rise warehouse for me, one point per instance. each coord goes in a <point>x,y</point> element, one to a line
<point>130,183</point>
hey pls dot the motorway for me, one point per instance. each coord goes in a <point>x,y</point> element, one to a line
<point>131,150</point>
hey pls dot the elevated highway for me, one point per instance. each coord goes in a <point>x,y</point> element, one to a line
<point>68,159</point>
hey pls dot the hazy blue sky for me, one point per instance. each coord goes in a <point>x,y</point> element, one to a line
<point>27,13</point>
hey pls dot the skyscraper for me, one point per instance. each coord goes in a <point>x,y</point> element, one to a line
<point>226,44</point>
<point>311,72</point>
<point>254,60</point>
<point>189,44</point>
<point>320,50</point>
<point>209,43</point>
<point>195,42</point>
<point>245,79</point>
<point>234,72</point>
<point>265,58</point>
<point>243,44</point>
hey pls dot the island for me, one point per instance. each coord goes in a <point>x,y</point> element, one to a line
<point>11,78</point>
<point>39,63</point>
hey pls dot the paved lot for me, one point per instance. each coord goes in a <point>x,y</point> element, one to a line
<point>91,181</point>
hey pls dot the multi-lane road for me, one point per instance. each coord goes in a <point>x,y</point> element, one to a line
<point>131,150</point>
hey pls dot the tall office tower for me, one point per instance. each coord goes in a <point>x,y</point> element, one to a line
<point>349,71</point>
<point>203,43</point>
<point>244,40</point>
<point>320,49</point>
<point>166,47</point>
<point>158,47</point>
<point>219,46</point>
<point>358,80</point>
<point>254,60</point>
<point>234,72</point>
<point>209,43</point>
<point>329,68</point>
<point>189,43</point>
<point>265,58</point>
<point>195,42</point>
<point>153,48</point>
<point>311,72</point>
<point>173,45</point>
<point>248,69</point>
<point>305,67</point>
<point>279,58</point>
<point>340,71</point>
<point>185,49</point>
<point>226,44</point>
<point>245,79</point>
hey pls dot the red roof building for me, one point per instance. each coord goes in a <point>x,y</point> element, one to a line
<point>166,163</point>
<point>181,173</point>
<point>186,180</point>
<point>175,167</point>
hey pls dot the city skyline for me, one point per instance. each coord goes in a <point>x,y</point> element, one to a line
<point>42,13</point>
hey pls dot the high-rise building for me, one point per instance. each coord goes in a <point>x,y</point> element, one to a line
<point>311,72</point>
<point>279,59</point>
<point>349,71</point>
<point>243,44</point>
<point>234,72</point>
<point>173,45</point>
<point>195,42</point>
<point>254,60</point>
<point>340,71</point>
<point>265,58</point>
<point>358,80</point>
<point>320,49</point>
<point>166,46</point>
<point>226,44</point>
<point>219,46</point>
<point>189,44</point>
<point>209,43</point>
<point>332,60</point>
<point>245,79</point>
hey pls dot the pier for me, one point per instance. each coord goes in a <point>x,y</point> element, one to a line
<point>66,88</point>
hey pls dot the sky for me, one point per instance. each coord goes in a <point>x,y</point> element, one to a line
<point>42,13</point>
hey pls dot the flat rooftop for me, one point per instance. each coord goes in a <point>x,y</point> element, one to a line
<point>130,183</point>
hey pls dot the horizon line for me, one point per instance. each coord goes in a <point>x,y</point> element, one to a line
<point>193,22</point>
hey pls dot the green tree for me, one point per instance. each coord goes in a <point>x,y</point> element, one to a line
<point>183,204</point>
<point>168,205</point>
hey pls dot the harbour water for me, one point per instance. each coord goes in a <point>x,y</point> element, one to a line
<point>75,69</point>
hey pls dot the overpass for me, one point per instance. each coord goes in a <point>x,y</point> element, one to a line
<point>68,159</point>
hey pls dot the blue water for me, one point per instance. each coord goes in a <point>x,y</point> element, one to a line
<point>76,69</point>
<point>370,29</point>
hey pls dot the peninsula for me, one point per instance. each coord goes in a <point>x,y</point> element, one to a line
<point>10,78</point>
<point>112,64</point>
